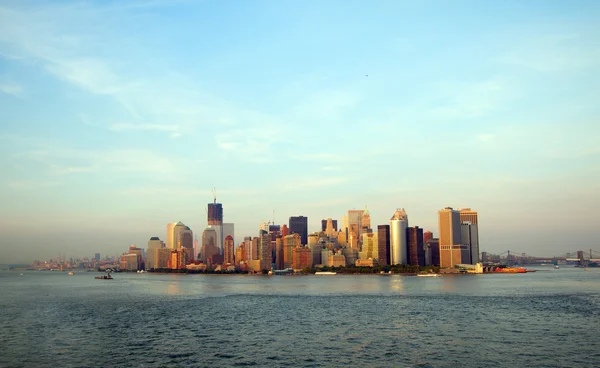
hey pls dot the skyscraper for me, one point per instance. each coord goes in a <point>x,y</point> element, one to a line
<point>299,225</point>
<point>215,220</point>
<point>209,247</point>
<point>324,224</point>
<point>450,237</point>
<point>398,246</point>
<point>470,238</point>
<point>171,236</point>
<point>466,214</point>
<point>228,250</point>
<point>383,244</point>
<point>416,252</point>
<point>354,219</point>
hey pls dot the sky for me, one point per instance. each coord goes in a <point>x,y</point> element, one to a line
<point>118,117</point>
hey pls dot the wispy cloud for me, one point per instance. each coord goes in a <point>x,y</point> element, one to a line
<point>11,89</point>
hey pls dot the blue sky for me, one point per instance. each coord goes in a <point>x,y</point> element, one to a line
<point>119,117</point>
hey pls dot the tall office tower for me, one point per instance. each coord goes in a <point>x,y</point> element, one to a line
<point>248,247</point>
<point>426,236</point>
<point>354,223</point>
<point>383,244</point>
<point>450,237</point>
<point>434,248</point>
<point>470,238</point>
<point>365,222</point>
<point>171,236</point>
<point>330,227</point>
<point>345,225</point>
<point>416,252</point>
<point>240,253</point>
<point>370,246</point>
<point>254,251</point>
<point>228,250</point>
<point>215,220</point>
<point>97,257</point>
<point>468,215</point>
<point>264,245</point>
<point>301,258</point>
<point>341,238</point>
<point>289,243</point>
<point>151,254</point>
<point>333,224</point>
<point>398,226</point>
<point>285,230</point>
<point>299,225</point>
<point>184,239</point>
<point>209,244</point>
<point>279,253</point>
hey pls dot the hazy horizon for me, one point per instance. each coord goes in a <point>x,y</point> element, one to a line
<point>120,117</point>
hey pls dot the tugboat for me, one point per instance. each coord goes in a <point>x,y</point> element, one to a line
<point>105,277</point>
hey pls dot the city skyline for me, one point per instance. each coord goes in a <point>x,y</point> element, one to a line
<point>118,118</point>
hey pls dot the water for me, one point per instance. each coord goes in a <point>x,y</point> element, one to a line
<point>542,319</point>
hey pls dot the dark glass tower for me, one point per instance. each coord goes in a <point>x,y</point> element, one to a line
<point>299,225</point>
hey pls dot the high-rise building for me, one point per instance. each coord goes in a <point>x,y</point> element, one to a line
<point>285,230</point>
<point>97,257</point>
<point>209,247</point>
<point>468,215</point>
<point>184,239</point>
<point>333,224</point>
<point>365,222</point>
<point>171,236</point>
<point>433,246</point>
<point>450,237</point>
<point>299,225</point>
<point>354,219</point>
<point>264,245</point>
<point>370,246</point>
<point>215,220</point>
<point>398,246</point>
<point>289,243</point>
<point>301,258</point>
<point>215,213</point>
<point>228,250</point>
<point>151,254</point>
<point>383,244</point>
<point>416,252</point>
<point>426,236</point>
<point>240,254</point>
<point>470,238</point>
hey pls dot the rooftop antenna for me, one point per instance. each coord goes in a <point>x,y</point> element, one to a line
<point>214,191</point>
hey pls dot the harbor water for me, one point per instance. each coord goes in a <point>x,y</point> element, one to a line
<point>550,318</point>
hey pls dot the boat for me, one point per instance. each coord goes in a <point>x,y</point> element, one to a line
<point>556,267</point>
<point>429,275</point>
<point>510,270</point>
<point>325,273</point>
<point>104,277</point>
<point>71,273</point>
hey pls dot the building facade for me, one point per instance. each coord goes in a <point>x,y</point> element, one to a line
<point>383,244</point>
<point>398,246</point>
<point>299,225</point>
<point>416,252</point>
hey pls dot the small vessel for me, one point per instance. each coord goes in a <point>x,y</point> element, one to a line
<point>556,267</point>
<point>71,273</point>
<point>429,275</point>
<point>510,270</point>
<point>105,277</point>
<point>21,275</point>
<point>325,273</point>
